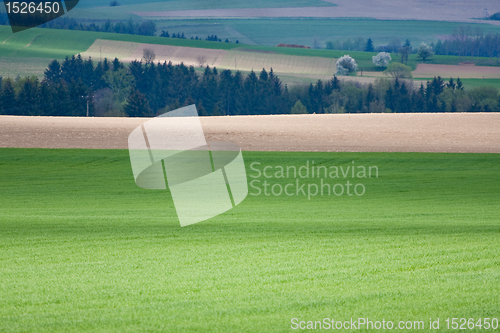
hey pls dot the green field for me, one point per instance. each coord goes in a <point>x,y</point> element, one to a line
<point>468,83</point>
<point>54,43</point>
<point>134,5</point>
<point>304,31</point>
<point>97,10</point>
<point>84,249</point>
<point>28,52</point>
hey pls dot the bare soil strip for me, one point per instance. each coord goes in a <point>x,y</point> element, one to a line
<point>459,132</point>
<point>463,71</point>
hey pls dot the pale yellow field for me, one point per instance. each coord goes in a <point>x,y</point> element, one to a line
<point>244,60</point>
<point>128,52</point>
<point>110,49</point>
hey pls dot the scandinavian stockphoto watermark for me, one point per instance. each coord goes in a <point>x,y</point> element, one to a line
<point>208,179</point>
<point>371,324</point>
<point>204,179</point>
<point>310,179</point>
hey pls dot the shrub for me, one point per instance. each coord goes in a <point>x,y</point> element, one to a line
<point>495,16</point>
<point>398,71</point>
<point>299,108</point>
<point>485,99</point>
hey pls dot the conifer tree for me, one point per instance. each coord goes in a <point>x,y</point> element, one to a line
<point>7,97</point>
<point>137,105</point>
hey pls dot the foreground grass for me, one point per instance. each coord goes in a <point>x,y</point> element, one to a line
<point>82,248</point>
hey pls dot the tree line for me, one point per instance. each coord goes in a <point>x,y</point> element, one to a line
<point>79,86</point>
<point>144,28</point>
<point>468,41</point>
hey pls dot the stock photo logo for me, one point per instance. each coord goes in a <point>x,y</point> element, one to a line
<point>29,14</point>
<point>205,179</point>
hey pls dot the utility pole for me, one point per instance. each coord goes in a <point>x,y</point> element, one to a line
<point>87,98</point>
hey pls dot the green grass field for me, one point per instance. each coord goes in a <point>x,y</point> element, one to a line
<point>54,43</point>
<point>97,10</point>
<point>133,5</point>
<point>304,31</point>
<point>84,249</point>
<point>469,83</point>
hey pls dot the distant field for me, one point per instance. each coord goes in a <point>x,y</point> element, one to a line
<point>28,53</point>
<point>84,249</point>
<point>13,66</point>
<point>240,58</point>
<point>474,83</point>
<point>97,9</point>
<point>478,72</point>
<point>468,83</point>
<point>271,32</point>
<point>196,4</point>
<point>43,43</point>
<point>450,10</point>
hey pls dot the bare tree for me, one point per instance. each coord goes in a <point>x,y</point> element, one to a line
<point>479,35</point>
<point>398,71</point>
<point>201,60</point>
<point>103,101</point>
<point>405,52</point>
<point>148,55</point>
<point>461,34</point>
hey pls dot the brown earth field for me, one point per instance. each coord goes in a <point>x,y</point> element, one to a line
<point>442,10</point>
<point>443,132</point>
<point>462,71</point>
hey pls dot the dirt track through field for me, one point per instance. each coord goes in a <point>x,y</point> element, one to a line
<point>461,132</point>
<point>442,10</point>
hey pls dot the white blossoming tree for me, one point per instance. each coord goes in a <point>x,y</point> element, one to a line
<point>382,59</point>
<point>425,52</point>
<point>346,65</point>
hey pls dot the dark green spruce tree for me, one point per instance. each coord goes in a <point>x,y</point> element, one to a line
<point>137,105</point>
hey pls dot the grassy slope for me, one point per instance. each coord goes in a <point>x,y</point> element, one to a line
<point>53,43</point>
<point>82,248</point>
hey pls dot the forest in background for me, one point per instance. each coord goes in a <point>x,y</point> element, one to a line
<point>81,87</point>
